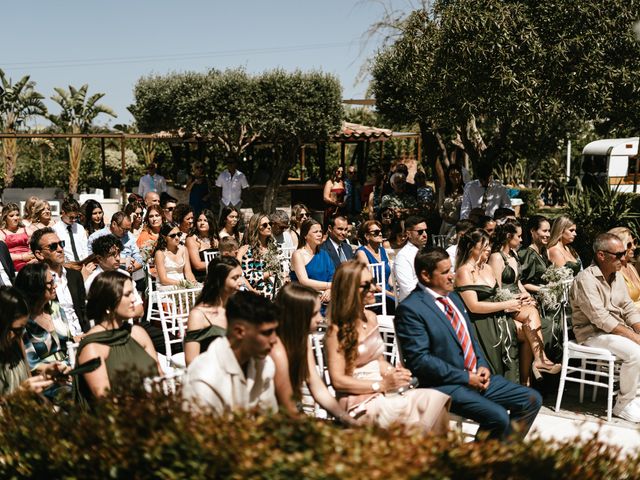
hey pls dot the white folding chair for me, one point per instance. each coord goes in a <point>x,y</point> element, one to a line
<point>72,350</point>
<point>388,334</point>
<point>167,384</point>
<point>153,312</point>
<point>208,256</point>
<point>587,355</point>
<point>174,307</point>
<point>378,274</point>
<point>317,344</point>
<point>285,253</point>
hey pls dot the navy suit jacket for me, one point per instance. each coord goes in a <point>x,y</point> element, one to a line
<point>7,263</point>
<point>346,248</point>
<point>429,345</point>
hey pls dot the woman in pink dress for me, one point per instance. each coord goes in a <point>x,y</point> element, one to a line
<point>333,194</point>
<point>367,386</point>
<point>16,236</point>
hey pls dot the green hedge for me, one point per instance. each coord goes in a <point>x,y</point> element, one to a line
<point>136,436</point>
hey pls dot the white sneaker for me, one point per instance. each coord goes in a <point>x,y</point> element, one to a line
<point>630,412</point>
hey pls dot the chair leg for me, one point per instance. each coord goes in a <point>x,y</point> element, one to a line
<point>583,366</point>
<point>563,376</point>
<point>596,378</point>
<point>610,392</point>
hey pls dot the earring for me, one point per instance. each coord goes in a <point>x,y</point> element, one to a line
<point>107,311</point>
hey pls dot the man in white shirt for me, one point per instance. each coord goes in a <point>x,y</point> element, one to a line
<point>280,230</point>
<point>48,248</point>
<point>7,271</point>
<point>71,232</point>
<point>236,371</point>
<point>405,273</point>
<point>151,182</point>
<point>484,193</point>
<point>232,182</point>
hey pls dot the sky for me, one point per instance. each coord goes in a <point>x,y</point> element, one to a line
<point>110,44</point>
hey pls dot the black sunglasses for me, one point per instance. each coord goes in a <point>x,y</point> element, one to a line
<point>54,245</point>
<point>420,232</point>
<point>304,215</point>
<point>174,235</point>
<point>618,255</point>
<point>265,225</point>
<point>375,233</point>
<point>367,285</point>
<point>18,331</point>
<point>169,209</point>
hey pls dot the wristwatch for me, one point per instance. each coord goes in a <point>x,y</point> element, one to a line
<point>375,386</point>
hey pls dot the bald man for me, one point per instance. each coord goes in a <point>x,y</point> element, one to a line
<point>151,198</point>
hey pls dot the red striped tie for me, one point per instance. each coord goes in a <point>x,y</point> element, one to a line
<point>470,361</point>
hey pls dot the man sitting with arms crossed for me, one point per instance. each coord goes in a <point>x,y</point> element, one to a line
<point>236,371</point>
<point>440,349</point>
<point>604,316</point>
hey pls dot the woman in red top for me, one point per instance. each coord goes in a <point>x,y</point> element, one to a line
<point>16,236</point>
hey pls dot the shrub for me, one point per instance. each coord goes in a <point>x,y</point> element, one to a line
<point>530,201</point>
<point>149,436</point>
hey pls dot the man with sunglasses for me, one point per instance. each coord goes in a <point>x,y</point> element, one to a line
<point>406,278</point>
<point>71,231</point>
<point>120,226</point>
<point>604,316</point>
<point>48,248</point>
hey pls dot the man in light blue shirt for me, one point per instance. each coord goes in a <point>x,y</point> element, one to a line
<point>120,225</point>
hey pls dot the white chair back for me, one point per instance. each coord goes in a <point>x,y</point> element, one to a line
<point>167,384</point>
<point>378,273</point>
<point>208,256</point>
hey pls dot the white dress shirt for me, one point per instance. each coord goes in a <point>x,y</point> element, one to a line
<point>497,196</point>
<point>79,237</point>
<point>4,276</point>
<point>66,301</point>
<point>148,184</point>
<point>232,186</point>
<point>405,271</point>
<point>215,380</point>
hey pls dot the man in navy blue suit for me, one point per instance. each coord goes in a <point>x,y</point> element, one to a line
<point>438,346</point>
<point>336,245</point>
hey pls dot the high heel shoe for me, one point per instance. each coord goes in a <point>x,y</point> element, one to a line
<point>554,369</point>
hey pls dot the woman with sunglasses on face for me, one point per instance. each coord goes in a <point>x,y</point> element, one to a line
<point>16,236</point>
<point>121,347</point>
<point>134,211</point>
<point>207,320</point>
<point>628,270</point>
<point>299,214</point>
<point>372,251</point>
<point>230,220</point>
<point>260,263</point>
<point>561,253</point>
<point>93,216</point>
<point>171,258</point>
<point>366,384</point>
<point>203,238</point>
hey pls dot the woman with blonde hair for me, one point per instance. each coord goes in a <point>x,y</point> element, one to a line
<point>628,270</point>
<point>260,263</point>
<point>16,236</point>
<point>367,386</point>
<point>559,249</point>
<point>41,215</point>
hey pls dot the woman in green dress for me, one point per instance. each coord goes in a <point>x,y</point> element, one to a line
<point>560,251</point>
<point>506,268</point>
<point>122,348</point>
<point>14,368</point>
<point>207,320</point>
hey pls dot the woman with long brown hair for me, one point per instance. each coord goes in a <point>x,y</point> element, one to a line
<point>260,263</point>
<point>366,384</point>
<point>292,354</point>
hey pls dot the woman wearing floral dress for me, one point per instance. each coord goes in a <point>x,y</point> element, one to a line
<point>261,263</point>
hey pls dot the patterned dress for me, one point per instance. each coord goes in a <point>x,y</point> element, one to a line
<point>254,270</point>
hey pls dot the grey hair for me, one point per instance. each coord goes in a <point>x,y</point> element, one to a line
<point>396,177</point>
<point>279,216</point>
<point>601,243</point>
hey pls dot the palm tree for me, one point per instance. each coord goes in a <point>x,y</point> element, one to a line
<point>18,102</point>
<point>77,116</point>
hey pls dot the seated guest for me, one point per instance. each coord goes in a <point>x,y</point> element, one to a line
<point>120,346</point>
<point>604,316</point>
<point>489,225</point>
<point>120,226</point>
<point>106,251</point>
<point>183,217</point>
<point>70,291</point>
<point>502,214</point>
<point>146,241</point>
<point>406,279</point>
<point>260,263</point>
<point>281,232</point>
<point>93,216</point>
<point>46,332</point>
<point>151,198</point>
<point>402,201</point>
<point>336,244</point>
<point>372,251</point>
<point>299,308</point>
<point>310,265</point>
<point>203,238</point>
<point>559,249</point>
<point>230,222</point>
<point>168,205</point>
<point>478,286</point>
<point>236,371</point>
<point>395,240</point>
<point>7,270</point>
<point>71,232</point>
<point>134,211</point>
<point>299,214</point>
<point>628,270</point>
<point>455,364</point>
<point>15,373</point>
<point>171,258</point>
<point>28,210</point>
<point>41,215</point>
<point>462,227</point>
<point>534,259</point>
<point>16,236</point>
<point>207,320</point>
<point>362,378</point>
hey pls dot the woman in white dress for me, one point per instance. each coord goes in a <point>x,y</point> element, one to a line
<point>171,258</point>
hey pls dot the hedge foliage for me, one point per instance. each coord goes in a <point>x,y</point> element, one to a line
<point>134,436</point>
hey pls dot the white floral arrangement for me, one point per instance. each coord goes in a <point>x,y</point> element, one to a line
<point>503,295</point>
<point>558,279</point>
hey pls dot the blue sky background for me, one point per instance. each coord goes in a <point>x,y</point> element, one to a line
<point>111,44</point>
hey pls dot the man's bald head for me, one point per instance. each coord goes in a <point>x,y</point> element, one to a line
<point>151,198</point>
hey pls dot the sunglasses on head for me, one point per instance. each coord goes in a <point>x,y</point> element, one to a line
<point>618,255</point>
<point>54,245</point>
<point>174,235</point>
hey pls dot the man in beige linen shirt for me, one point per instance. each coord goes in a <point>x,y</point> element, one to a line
<point>236,371</point>
<point>604,316</point>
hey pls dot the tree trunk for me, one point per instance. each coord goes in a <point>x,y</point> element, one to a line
<point>10,156</point>
<point>75,158</point>
<point>285,157</point>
